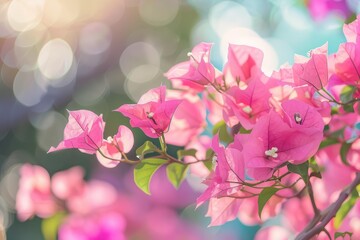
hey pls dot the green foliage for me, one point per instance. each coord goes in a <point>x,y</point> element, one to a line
<point>224,135</point>
<point>49,226</point>
<point>264,196</point>
<point>328,142</point>
<point>345,147</point>
<point>144,171</point>
<point>186,152</point>
<point>176,173</point>
<point>147,147</point>
<point>346,96</point>
<point>345,208</point>
<point>342,234</point>
<point>301,169</point>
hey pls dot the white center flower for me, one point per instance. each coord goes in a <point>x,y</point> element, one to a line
<point>150,114</point>
<point>109,139</point>
<point>272,152</point>
<point>247,109</point>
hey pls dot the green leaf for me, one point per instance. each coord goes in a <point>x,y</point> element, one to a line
<point>345,208</point>
<point>316,171</point>
<point>264,196</point>
<point>176,173</point>
<point>49,226</point>
<point>186,152</point>
<point>342,234</point>
<point>224,135</point>
<point>347,93</point>
<point>345,147</point>
<point>328,142</point>
<point>301,169</point>
<point>147,147</point>
<point>144,171</point>
<point>209,159</point>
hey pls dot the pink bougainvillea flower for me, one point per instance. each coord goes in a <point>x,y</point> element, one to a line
<point>319,9</point>
<point>34,196</point>
<point>68,183</point>
<point>83,131</point>
<point>228,172</point>
<point>196,72</point>
<point>274,140</point>
<point>352,30</point>
<point>312,71</point>
<point>243,61</point>
<point>273,232</point>
<point>189,119</point>
<point>246,106</point>
<point>114,147</point>
<point>347,63</point>
<point>152,114</point>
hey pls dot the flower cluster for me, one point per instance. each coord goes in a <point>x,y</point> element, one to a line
<point>276,139</point>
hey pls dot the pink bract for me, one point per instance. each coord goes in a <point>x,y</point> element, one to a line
<point>83,131</point>
<point>196,72</point>
<point>110,152</point>
<point>312,71</point>
<point>152,114</point>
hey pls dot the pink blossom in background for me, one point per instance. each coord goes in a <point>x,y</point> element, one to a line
<point>319,9</point>
<point>196,72</point>
<point>69,183</point>
<point>83,131</point>
<point>108,225</point>
<point>312,71</point>
<point>114,147</point>
<point>243,63</point>
<point>201,144</point>
<point>152,114</point>
<point>273,232</point>
<point>189,118</point>
<point>34,196</point>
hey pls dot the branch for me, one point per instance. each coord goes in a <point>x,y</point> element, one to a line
<point>329,212</point>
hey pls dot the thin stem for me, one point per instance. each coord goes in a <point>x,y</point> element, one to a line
<point>312,198</point>
<point>314,227</point>
<point>163,143</point>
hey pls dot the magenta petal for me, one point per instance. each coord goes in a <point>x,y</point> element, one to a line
<point>313,71</point>
<point>124,139</point>
<point>242,60</point>
<point>84,131</point>
<point>108,150</point>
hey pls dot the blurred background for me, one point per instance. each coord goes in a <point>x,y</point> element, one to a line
<point>97,55</point>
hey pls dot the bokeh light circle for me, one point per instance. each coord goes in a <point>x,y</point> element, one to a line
<point>24,14</point>
<point>95,38</point>
<point>26,90</point>
<point>158,12</point>
<point>136,54</point>
<point>55,58</point>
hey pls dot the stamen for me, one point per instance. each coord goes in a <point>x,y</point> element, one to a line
<point>247,109</point>
<point>272,152</point>
<point>189,54</point>
<point>297,118</point>
<point>109,139</point>
<point>150,115</point>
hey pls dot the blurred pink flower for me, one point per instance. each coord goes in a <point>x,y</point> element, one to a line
<point>152,113</point>
<point>100,225</point>
<point>83,131</point>
<point>34,196</point>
